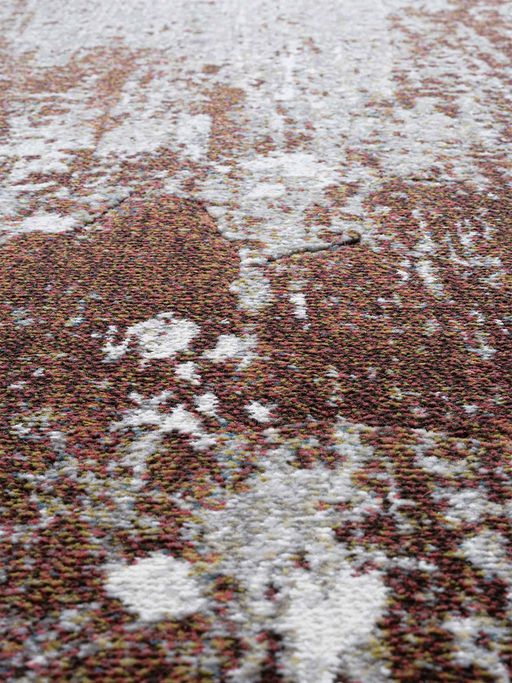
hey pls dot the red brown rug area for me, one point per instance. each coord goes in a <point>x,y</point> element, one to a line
<point>255,286</point>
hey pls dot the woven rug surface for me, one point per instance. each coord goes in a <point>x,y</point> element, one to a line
<point>255,306</point>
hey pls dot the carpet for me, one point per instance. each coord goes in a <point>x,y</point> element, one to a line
<point>255,286</point>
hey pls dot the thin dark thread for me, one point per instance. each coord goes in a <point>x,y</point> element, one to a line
<point>352,238</point>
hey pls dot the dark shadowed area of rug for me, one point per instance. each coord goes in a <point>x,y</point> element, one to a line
<point>255,346</point>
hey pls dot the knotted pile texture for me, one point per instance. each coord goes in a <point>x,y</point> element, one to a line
<point>255,306</point>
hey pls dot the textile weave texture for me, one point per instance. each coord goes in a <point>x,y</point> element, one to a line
<point>255,307</point>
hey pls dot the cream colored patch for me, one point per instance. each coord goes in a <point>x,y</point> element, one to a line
<point>188,372</point>
<point>259,412</point>
<point>161,337</point>
<point>229,346</point>
<point>156,587</point>
<point>320,623</point>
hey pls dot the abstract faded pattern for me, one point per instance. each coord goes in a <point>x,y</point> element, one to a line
<point>255,287</point>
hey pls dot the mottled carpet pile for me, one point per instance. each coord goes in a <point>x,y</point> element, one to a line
<point>255,344</point>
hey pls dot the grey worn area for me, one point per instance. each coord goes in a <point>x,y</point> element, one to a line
<point>317,81</point>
